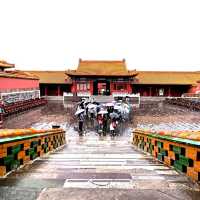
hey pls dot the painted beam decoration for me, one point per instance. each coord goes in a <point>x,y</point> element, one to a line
<point>181,153</point>
<point>19,146</point>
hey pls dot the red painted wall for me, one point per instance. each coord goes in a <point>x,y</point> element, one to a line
<point>195,89</point>
<point>192,89</point>
<point>15,83</point>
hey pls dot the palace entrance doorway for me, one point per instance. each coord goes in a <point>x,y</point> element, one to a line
<point>101,87</point>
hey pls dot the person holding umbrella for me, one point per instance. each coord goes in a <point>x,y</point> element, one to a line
<point>105,121</point>
<point>80,114</point>
<point>110,107</point>
<point>91,113</point>
<point>102,121</point>
<point>114,117</point>
<point>113,127</point>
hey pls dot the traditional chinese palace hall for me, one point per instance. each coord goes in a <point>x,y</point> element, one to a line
<point>108,77</point>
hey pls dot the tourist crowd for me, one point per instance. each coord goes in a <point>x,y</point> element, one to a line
<point>105,118</point>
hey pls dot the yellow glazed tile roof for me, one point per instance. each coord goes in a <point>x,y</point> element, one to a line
<point>143,77</point>
<point>4,64</point>
<point>168,77</point>
<point>52,77</point>
<point>101,68</point>
<point>18,74</point>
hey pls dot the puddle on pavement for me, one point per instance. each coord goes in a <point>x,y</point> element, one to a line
<point>149,116</point>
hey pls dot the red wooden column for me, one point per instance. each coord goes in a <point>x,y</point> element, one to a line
<point>46,91</point>
<point>58,90</point>
<point>129,88</point>
<point>91,87</point>
<point>73,88</point>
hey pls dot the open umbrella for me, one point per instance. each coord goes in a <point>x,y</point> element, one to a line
<point>114,115</point>
<point>102,112</point>
<point>110,104</point>
<point>91,106</point>
<point>79,111</point>
<point>116,107</point>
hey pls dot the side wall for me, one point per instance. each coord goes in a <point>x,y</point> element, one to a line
<point>18,151</point>
<point>181,154</point>
<point>195,89</point>
<point>11,84</point>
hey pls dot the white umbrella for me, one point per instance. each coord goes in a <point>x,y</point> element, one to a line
<point>79,111</point>
<point>91,110</point>
<point>126,110</point>
<point>117,107</point>
<point>110,104</point>
<point>102,112</point>
<point>91,106</point>
<point>114,115</point>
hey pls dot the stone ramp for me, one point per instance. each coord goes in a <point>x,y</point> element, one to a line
<point>94,164</point>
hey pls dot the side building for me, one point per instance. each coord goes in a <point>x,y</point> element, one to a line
<point>53,83</point>
<point>17,85</point>
<point>166,83</point>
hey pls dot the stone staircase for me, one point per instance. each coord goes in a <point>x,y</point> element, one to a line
<point>103,99</point>
<point>97,168</point>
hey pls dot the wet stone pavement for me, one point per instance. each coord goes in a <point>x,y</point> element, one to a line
<point>93,167</point>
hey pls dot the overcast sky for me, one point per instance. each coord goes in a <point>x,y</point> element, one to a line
<point>54,34</point>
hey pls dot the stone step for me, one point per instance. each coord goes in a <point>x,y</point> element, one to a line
<point>91,163</point>
<point>103,99</point>
<point>157,190</point>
